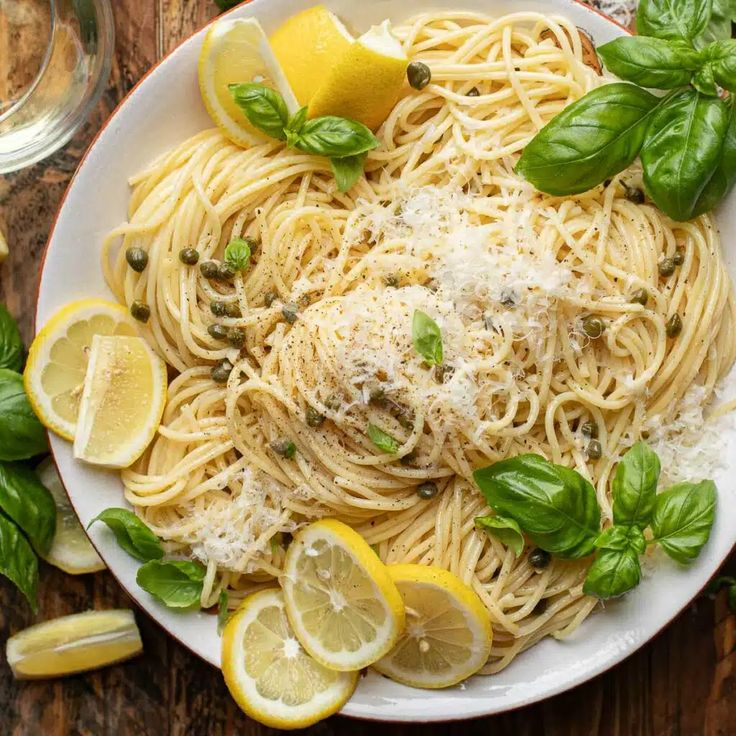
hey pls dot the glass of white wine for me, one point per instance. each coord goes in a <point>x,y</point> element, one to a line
<point>55,58</point>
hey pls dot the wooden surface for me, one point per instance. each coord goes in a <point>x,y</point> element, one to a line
<point>683,683</point>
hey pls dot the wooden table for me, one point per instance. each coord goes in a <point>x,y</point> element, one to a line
<point>683,683</point>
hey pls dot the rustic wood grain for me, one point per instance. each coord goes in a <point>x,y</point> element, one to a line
<point>683,683</point>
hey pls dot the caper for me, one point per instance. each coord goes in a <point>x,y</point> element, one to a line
<point>409,458</point>
<point>376,394</point>
<point>593,326</point>
<point>508,298</point>
<point>403,416</point>
<point>473,92</point>
<point>219,332</point>
<point>391,280</point>
<point>640,296</point>
<point>539,558</point>
<point>314,418</point>
<point>673,327</point>
<point>679,257</point>
<point>225,272</point>
<point>593,450</point>
<point>666,267</point>
<point>270,298</point>
<point>284,447</point>
<point>634,194</point>
<point>219,309</point>
<point>427,490</point>
<point>232,310</point>
<point>189,256</point>
<point>290,312</point>
<point>236,337</point>
<point>221,371</point>
<point>137,259</point>
<point>209,269</point>
<point>140,311</point>
<point>333,403</point>
<point>418,74</point>
<point>589,429</point>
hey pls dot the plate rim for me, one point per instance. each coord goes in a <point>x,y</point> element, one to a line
<point>348,711</point>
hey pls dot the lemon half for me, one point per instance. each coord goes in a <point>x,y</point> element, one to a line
<point>236,51</point>
<point>122,401</point>
<point>448,633</point>
<point>70,644</point>
<point>57,359</point>
<point>307,46</point>
<point>71,550</point>
<point>341,601</point>
<point>269,674</point>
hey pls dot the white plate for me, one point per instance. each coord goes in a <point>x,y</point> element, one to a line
<point>163,110</point>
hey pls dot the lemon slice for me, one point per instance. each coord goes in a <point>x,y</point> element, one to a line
<point>341,601</point>
<point>122,402</point>
<point>71,550</point>
<point>307,46</point>
<point>448,633</point>
<point>57,360</point>
<point>365,82</point>
<point>237,51</point>
<point>71,644</point>
<point>269,674</point>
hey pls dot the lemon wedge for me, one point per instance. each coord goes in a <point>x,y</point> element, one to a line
<point>71,644</point>
<point>448,633</point>
<point>365,82</point>
<point>269,674</point>
<point>122,401</point>
<point>71,550</point>
<point>341,601</point>
<point>236,51</point>
<point>307,46</point>
<point>57,359</point>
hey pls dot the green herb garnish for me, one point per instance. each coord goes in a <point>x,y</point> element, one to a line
<point>505,529</point>
<point>222,611</point>
<point>686,139</point>
<point>345,142</point>
<point>427,338</point>
<point>177,583</point>
<point>131,534</point>
<point>238,252</point>
<point>382,440</point>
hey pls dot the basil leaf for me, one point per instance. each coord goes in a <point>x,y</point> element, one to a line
<point>347,170</point>
<point>675,19</point>
<point>18,562</point>
<point>724,177</point>
<point>681,151</point>
<point>294,126</point>
<point>227,4</point>
<point>21,434</point>
<point>621,538</point>
<point>335,137</point>
<point>724,582</point>
<point>555,506</point>
<point>590,141</point>
<point>237,253</point>
<point>264,107</point>
<point>11,345</point>
<point>720,59</point>
<point>222,613</point>
<point>177,583</point>
<point>724,13</point>
<point>427,338</point>
<point>705,81</point>
<point>683,517</point>
<point>506,530</point>
<point>650,62</point>
<point>131,534</point>
<point>613,573</point>
<point>382,440</point>
<point>29,504</point>
<point>634,486</point>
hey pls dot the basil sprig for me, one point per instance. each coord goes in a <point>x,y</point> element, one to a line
<point>505,529</point>
<point>11,345</point>
<point>176,583</point>
<point>557,509</point>
<point>427,338</point>
<point>345,142</point>
<point>131,534</point>
<point>238,252</point>
<point>21,434</point>
<point>683,138</point>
